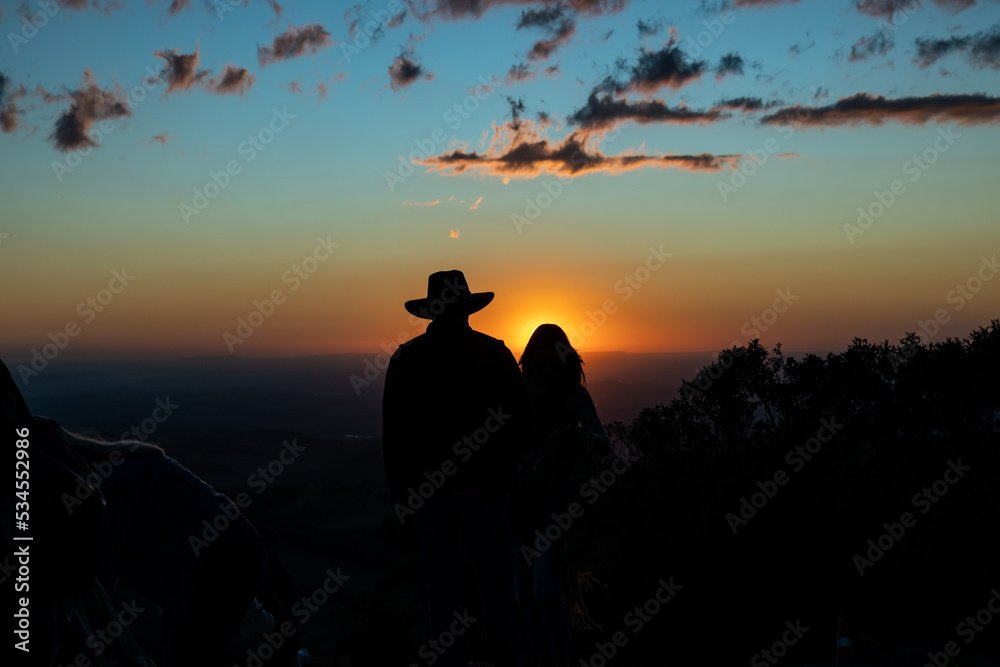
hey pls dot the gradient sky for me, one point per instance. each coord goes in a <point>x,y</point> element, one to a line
<point>630,125</point>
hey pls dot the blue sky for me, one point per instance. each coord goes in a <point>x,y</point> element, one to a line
<point>332,120</point>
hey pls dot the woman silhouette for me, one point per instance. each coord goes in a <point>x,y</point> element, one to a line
<point>553,529</point>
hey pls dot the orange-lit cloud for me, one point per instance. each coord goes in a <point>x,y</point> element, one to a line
<point>888,8</point>
<point>454,233</point>
<point>558,21</point>
<point>422,203</point>
<point>865,109</point>
<point>9,112</point>
<point>520,72</point>
<point>524,153</point>
<point>234,79</point>
<point>162,137</point>
<point>90,104</point>
<point>475,207</point>
<point>181,69</point>
<point>426,10</point>
<point>295,42</point>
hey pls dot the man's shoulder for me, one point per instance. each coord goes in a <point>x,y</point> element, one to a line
<point>461,343</point>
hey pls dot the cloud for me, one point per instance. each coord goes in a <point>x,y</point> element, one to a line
<point>426,10</point>
<point>235,80</point>
<point>520,72</point>
<point>10,117</point>
<point>604,111</point>
<point>757,4</point>
<point>47,97</point>
<point>982,49</point>
<point>323,87</point>
<point>295,42</point>
<point>878,44</point>
<point>475,207</point>
<point>162,137</point>
<point>454,234</point>
<point>745,104</point>
<point>668,66</point>
<point>888,8</point>
<point>24,8</point>
<point>517,108</point>
<point>406,69</point>
<point>524,153</point>
<point>557,21</point>
<point>649,28</point>
<point>90,104</point>
<point>865,109</point>
<point>731,63</point>
<point>177,6</point>
<point>181,70</point>
<point>422,203</point>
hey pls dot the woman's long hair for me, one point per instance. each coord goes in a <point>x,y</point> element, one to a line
<point>93,447</point>
<point>552,337</point>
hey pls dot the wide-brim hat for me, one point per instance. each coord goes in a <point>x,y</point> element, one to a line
<point>448,293</point>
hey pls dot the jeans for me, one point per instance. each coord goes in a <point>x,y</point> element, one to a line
<point>539,594</point>
<point>482,525</point>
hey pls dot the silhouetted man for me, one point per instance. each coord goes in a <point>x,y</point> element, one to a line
<point>455,419</point>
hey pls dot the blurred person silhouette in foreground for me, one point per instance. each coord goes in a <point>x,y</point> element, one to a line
<point>45,470</point>
<point>553,527</point>
<point>176,541</point>
<point>455,420</point>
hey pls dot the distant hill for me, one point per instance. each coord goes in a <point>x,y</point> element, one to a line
<point>328,396</point>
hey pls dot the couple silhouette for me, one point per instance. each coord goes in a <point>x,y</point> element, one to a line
<point>490,449</point>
